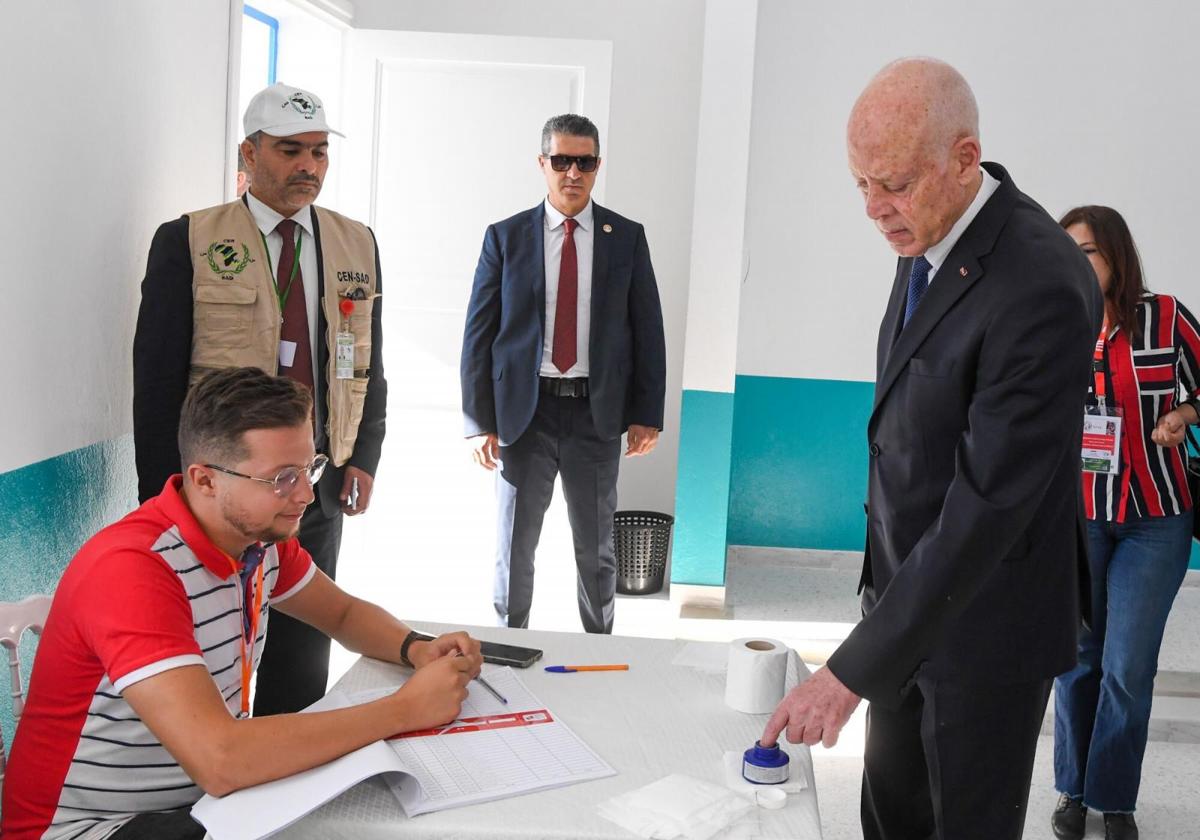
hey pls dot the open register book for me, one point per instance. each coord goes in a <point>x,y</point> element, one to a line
<point>491,751</point>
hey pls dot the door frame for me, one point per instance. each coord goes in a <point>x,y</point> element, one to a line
<point>370,52</point>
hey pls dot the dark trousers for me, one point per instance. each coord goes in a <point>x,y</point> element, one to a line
<point>294,667</point>
<point>161,825</point>
<point>561,440</point>
<point>953,762</point>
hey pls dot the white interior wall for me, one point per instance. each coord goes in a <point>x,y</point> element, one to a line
<point>117,124</point>
<point>649,149</point>
<point>719,215</point>
<point>1090,103</point>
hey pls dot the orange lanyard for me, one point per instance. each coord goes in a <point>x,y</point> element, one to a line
<point>1098,365</point>
<point>248,648</point>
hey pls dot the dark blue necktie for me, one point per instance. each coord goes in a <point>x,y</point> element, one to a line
<point>918,282</point>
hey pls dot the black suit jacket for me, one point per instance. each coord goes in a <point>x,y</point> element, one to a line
<point>975,553</point>
<point>162,355</point>
<point>506,322</point>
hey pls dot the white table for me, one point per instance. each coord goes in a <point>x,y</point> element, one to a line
<point>654,720</point>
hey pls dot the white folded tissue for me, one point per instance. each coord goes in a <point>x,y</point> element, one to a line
<point>676,806</point>
<point>681,806</point>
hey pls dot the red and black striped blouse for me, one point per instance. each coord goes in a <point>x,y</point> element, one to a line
<point>1146,377</point>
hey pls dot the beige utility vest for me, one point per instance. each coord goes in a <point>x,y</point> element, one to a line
<point>235,311</point>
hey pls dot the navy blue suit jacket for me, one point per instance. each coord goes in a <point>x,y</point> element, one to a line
<point>506,322</point>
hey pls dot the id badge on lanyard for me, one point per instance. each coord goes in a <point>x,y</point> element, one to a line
<point>249,633</point>
<point>1101,422</point>
<point>343,363</point>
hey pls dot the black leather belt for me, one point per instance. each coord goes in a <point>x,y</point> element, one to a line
<point>562,387</point>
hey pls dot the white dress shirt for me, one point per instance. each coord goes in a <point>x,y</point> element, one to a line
<point>267,219</point>
<point>937,253</point>
<point>553,235</point>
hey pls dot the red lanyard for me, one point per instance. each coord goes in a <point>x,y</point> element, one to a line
<point>248,648</point>
<point>1098,364</point>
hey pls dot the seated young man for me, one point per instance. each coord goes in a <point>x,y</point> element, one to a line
<point>138,701</point>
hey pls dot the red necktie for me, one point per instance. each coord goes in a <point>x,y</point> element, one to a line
<point>565,308</point>
<point>295,313</point>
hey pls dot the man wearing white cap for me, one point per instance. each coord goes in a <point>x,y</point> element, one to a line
<point>273,282</point>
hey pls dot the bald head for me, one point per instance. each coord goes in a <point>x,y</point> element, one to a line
<point>919,98</point>
<point>913,142</point>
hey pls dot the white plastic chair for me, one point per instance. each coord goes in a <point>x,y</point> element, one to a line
<point>15,619</point>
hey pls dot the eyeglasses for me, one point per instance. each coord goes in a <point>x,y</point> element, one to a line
<point>285,481</point>
<point>561,163</point>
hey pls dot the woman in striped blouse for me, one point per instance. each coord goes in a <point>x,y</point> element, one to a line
<point>1139,531</point>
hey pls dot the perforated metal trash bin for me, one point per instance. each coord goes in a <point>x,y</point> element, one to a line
<point>642,538</point>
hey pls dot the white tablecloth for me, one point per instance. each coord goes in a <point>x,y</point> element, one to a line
<point>654,720</point>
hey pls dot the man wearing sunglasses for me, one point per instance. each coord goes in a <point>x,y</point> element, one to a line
<point>563,352</point>
<point>138,703</point>
<point>275,282</point>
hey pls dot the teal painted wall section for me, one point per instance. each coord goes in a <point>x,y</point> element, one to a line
<point>799,469</point>
<point>48,510</point>
<point>799,476</point>
<point>702,490</point>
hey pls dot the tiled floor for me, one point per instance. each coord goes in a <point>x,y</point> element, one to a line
<point>788,584</point>
<point>424,551</point>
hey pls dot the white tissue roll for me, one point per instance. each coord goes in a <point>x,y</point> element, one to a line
<point>755,677</point>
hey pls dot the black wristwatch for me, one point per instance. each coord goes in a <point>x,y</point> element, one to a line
<point>413,636</point>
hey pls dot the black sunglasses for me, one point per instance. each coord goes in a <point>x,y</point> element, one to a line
<point>561,163</point>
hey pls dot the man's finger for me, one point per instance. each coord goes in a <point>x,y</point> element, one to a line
<point>830,736</point>
<point>812,734</point>
<point>774,726</point>
<point>795,732</point>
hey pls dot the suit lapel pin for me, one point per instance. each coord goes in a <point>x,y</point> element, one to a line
<point>962,271</point>
<point>607,228</point>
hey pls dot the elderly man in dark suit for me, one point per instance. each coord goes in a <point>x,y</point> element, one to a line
<point>971,581</point>
<point>563,351</point>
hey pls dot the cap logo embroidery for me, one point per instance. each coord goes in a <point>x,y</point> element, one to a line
<point>302,104</point>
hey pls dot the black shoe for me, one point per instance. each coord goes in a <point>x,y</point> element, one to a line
<point>1120,827</point>
<point>1069,818</point>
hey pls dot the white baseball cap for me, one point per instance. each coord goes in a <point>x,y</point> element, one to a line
<point>283,111</point>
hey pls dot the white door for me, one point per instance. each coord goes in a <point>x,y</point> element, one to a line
<point>453,124</point>
<point>443,133</point>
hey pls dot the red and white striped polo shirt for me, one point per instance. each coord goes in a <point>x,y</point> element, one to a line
<point>145,595</point>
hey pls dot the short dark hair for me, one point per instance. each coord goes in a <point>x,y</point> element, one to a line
<point>226,404</point>
<point>570,124</point>
<point>1115,243</point>
<point>241,164</point>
